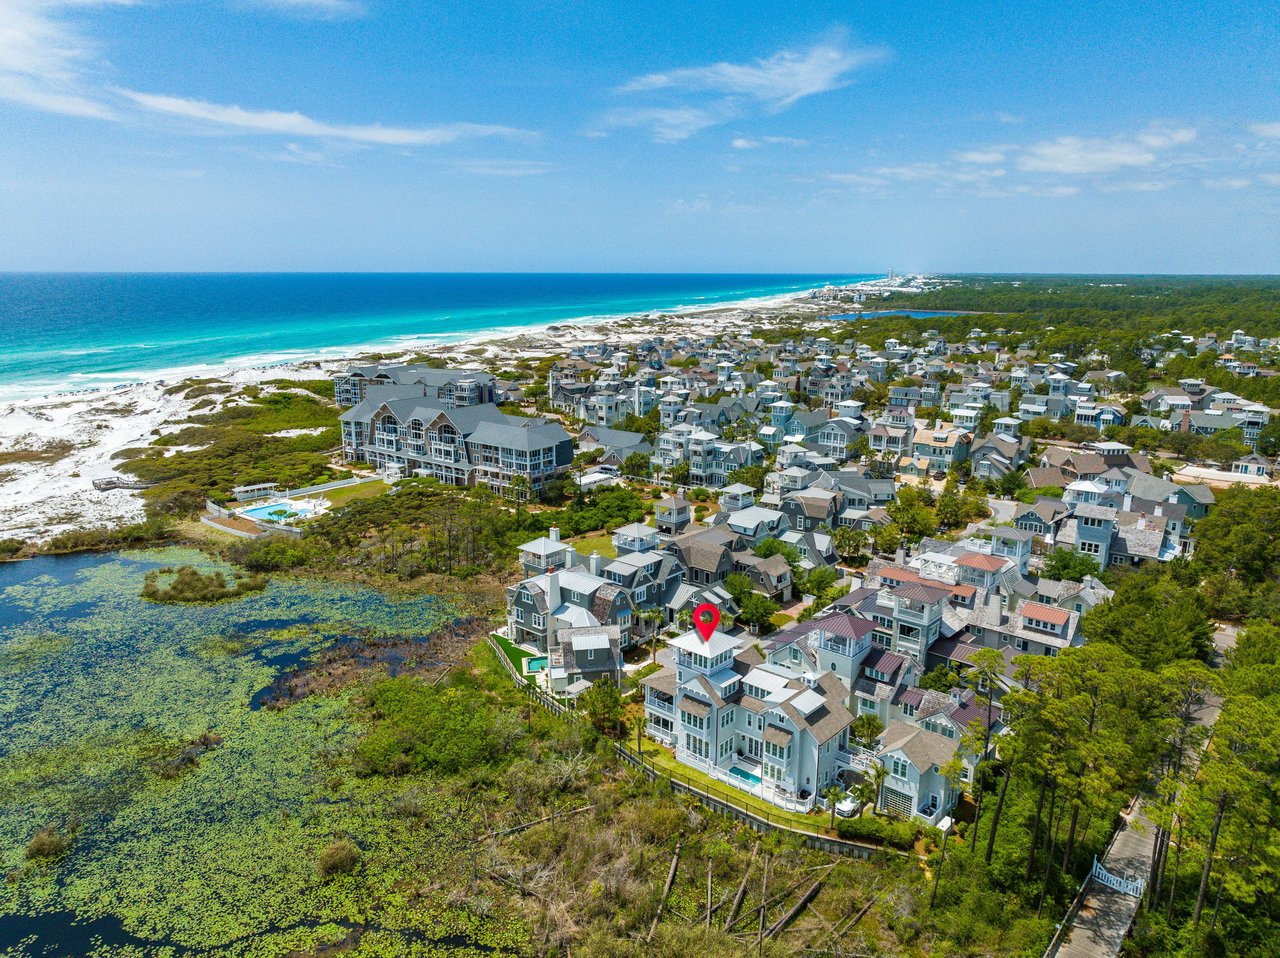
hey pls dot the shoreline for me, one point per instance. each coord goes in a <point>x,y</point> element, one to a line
<point>107,381</point>
<point>73,437</point>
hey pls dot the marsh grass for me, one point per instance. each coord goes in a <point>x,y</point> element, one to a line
<point>48,842</point>
<point>189,584</point>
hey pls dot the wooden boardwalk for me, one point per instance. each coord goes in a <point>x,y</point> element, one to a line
<point>1098,928</point>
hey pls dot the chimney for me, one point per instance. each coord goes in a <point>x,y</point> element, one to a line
<point>1186,420</point>
<point>553,590</point>
<point>1128,501</point>
<point>554,533</point>
<point>595,564</point>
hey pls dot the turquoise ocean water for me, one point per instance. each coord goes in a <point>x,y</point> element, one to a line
<point>65,332</point>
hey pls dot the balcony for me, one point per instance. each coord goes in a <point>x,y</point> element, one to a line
<point>654,703</point>
<point>857,758</point>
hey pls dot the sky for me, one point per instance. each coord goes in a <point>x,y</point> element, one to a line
<point>719,136</point>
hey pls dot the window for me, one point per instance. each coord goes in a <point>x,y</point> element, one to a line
<point>1042,625</point>
<point>726,718</point>
<point>693,721</point>
<point>908,710</point>
<point>899,767</point>
<point>1021,645</point>
<point>1091,548</point>
<point>539,620</point>
<point>518,614</point>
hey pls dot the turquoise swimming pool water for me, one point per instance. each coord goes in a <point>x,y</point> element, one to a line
<point>538,664</point>
<point>743,774</point>
<point>280,511</point>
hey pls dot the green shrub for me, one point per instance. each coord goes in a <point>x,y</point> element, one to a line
<point>148,532</point>
<point>10,548</point>
<point>267,554</point>
<point>880,831</point>
<point>420,727</point>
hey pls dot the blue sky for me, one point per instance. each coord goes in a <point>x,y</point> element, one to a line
<point>719,136</point>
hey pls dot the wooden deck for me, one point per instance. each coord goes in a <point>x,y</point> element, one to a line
<point>1105,916</point>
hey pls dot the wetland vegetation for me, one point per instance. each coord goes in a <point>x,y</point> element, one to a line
<point>149,809</point>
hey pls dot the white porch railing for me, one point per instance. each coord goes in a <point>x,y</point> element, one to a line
<point>857,758</point>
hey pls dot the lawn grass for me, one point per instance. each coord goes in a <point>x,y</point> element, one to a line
<point>779,619</point>
<point>515,655</point>
<point>345,494</point>
<point>602,543</point>
<point>658,756</point>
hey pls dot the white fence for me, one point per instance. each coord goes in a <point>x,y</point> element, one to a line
<point>1126,886</point>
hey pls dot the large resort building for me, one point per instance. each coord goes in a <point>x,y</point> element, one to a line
<point>464,446</point>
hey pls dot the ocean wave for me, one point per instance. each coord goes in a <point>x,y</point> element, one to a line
<point>81,381</point>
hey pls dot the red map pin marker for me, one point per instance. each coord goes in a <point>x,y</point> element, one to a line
<point>705,619</point>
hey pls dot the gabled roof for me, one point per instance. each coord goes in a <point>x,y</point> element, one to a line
<point>923,749</point>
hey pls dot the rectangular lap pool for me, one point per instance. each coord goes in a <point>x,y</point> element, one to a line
<point>749,777</point>
<point>536,665</point>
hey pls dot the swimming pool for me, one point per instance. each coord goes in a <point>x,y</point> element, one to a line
<point>281,510</point>
<point>536,665</point>
<point>742,773</point>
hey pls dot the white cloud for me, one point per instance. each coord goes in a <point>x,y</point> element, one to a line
<point>1135,186</point>
<point>743,143</point>
<point>1009,118</point>
<point>505,167</point>
<point>992,155</point>
<point>1075,155</point>
<point>297,124</point>
<point>1269,130</point>
<point>1228,183</point>
<point>47,62</point>
<point>667,124</point>
<point>322,9</point>
<point>45,59</point>
<point>1158,136</point>
<point>1271,179</point>
<point>779,81</point>
<point>699,97</point>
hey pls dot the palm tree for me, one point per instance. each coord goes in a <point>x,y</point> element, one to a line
<point>866,790</point>
<point>866,728</point>
<point>878,774</point>
<point>833,794</point>
<point>653,617</point>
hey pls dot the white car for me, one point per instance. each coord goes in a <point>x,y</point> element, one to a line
<point>846,807</point>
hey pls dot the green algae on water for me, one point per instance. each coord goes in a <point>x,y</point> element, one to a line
<point>99,687</point>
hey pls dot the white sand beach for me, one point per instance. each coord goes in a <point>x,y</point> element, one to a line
<point>75,436</point>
